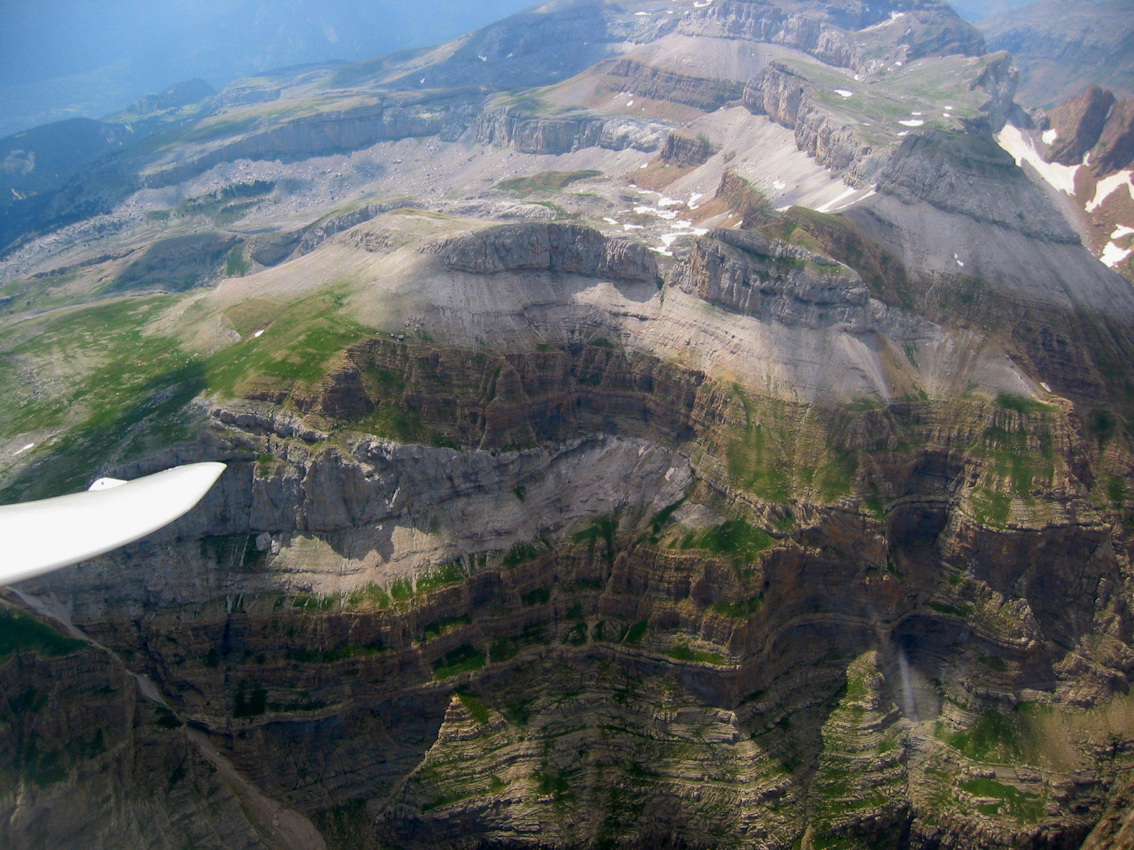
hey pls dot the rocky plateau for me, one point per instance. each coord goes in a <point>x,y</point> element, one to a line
<point>651,424</point>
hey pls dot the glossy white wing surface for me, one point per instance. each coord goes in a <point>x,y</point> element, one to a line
<point>37,537</point>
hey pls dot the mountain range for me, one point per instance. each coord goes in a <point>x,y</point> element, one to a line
<point>667,423</point>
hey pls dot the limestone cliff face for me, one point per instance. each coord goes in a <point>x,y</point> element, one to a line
<point>686,151</point>
<point>972,176</point>
<point>275,248</point>
<point>788,99</point>
<point>662,84</point>
<point>775,281</point>
<point>564,249</point>
<point>830,32</point>
<point>446,116</point>
<point>553,134</point>
<point>419,645</point>
<point>115,769</point>
<point>798,541</point>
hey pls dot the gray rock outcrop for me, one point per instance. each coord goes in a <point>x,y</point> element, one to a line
<point>788,99</point>
<point>972,176</point>
<point>561,248</point>
<point>772,280</point>
<point>559,134</point>
<point>333,132</point>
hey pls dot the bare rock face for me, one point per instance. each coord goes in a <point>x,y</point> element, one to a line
<point>830,31</point>
<point>1115,148</point>
<point>1095,126</point>
<point>788,99</point>
<point>774,280</point>
<point>561,248</point>
<point>333,132</point>
<point>686,151</point>
<point>539,134</point>
<point>116,771</point>
<point>663,84</point>
<point>1079,123</point>
<point>971,175</point>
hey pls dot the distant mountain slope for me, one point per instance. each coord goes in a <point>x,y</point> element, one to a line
<point>60,59</point>
<point>1062,46</point>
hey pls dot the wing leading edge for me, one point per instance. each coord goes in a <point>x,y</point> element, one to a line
<point>37,537</point>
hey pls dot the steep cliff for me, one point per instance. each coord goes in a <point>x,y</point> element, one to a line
<point>563,249</point>
<point>863,645</point>
<point>775,281</point>
<point>741,486</point>
<point>560,134</point>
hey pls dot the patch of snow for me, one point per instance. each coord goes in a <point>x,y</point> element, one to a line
<point>1120,231</point>
<point>609,220</point>
<point>693,199</point>
<point>482,58</point>
<point>644,165</point>
<point>1045,386</point>
<point>641,14</point>
<point>904,133</point>
<point>913,122</point>
<point>897,64</point>
<point>830,205</point>
<point>24,449</point>
<point>894,16</point>
<point>668,202</point>
<point>959,261</point>
<point>668,215</point>
<point>257,334</point>
<point>630,102</point>
<point>669,238</point>
<point>843,92</point>
<point>779,185</point>
<point>1108,185</point>
<point>702,5</point>
<point>947,107</point>
<point>915,113</point>
<point>629,227</point>
<point>1112,255</point>
<point>665,252</point>
<point>1050,136</point>
<point>1062,177</point>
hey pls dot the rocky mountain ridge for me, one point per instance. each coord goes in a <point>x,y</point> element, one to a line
<point>713,438</point>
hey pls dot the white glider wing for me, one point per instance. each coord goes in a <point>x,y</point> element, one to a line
<point>37,537</point>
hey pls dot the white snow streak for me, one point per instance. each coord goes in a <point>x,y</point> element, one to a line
<point>1112,255</point>
<point>1111,184</point>
<point>1050,136</point>
<point>1062,177</point>
<point>827,207</point>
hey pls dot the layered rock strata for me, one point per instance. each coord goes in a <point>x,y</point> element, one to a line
<point>559,248</point>
<point>560,134</point>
